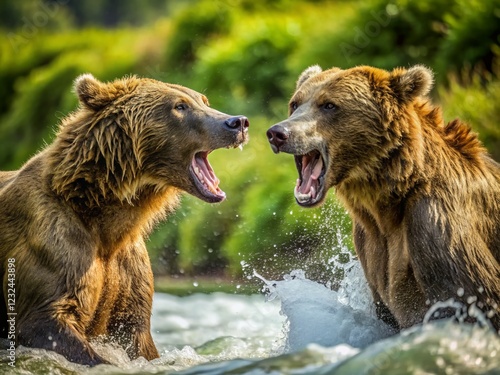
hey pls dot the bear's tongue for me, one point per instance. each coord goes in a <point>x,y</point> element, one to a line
<point>312,165</point>
<point>205,173</point>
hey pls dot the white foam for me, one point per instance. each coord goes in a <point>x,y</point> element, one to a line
<point>319,315</point>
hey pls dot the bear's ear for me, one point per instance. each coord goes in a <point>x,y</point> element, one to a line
<point>308,73</point>
<point>92,93</point>
<point>412,83</point>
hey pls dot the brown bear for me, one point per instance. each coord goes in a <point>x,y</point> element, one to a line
<point>74,217</point>
<point>424,196</point>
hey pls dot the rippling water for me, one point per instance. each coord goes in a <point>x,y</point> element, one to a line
<point>299,327</point>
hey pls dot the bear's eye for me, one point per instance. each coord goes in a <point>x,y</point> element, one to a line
<point>293,106</point>
<point>329,106</point>
<point>181,107</point>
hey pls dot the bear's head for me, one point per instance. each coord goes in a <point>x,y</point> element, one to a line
<point>342,123</point>
<point>136,134</point>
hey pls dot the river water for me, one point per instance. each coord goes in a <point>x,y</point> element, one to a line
<point>296,327</point>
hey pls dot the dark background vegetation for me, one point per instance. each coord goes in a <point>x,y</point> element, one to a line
<point>245,55</point>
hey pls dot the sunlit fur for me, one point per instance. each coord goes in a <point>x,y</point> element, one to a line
<point>75,216</point>
<point>424,195</point>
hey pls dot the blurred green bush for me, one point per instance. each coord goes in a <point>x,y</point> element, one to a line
<point>476,103</point>
<point>245,56</point>
<point>444,34</point>
<point>193,28</point>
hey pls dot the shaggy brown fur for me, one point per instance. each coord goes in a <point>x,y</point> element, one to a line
<point>424,196</point>
<point>74,217</point>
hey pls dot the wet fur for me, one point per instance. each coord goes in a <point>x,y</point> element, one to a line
<point>424,195</point>
<point>75,216</point>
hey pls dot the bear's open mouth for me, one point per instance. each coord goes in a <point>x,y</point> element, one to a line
<point>205,179</point>
<point>310,184</point>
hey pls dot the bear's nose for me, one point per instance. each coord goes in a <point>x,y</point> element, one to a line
<point>277,136</point>
<point>237,122</point>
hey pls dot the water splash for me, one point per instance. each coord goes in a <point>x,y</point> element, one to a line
<point>317,314</point>
<point>462,313</point>
<point>440,347</point>
<point>246,327</point>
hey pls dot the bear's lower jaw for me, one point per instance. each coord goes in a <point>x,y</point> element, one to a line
<point>312,198</point>
<point>205,180</point>
<point>309,190</point>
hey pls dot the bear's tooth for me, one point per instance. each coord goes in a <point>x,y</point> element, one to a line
<point>240,147</point>
<point>302,197</point>
<point>305,198</point>
<point>313,192</point>
<point>199,174</point>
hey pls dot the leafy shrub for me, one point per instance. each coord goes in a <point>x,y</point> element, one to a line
<point>249,65</point>
<point>473,36</point>
<point>444,34</point>
<point>192,29</point>
<point>38,89</point>
<point>475,103</point>
<point>27,129</point>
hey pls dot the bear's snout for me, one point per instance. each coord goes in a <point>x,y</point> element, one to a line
<point>237,122</point>
<point>277,136</point>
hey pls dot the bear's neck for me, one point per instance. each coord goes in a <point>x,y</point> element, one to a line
<point>428,150</point>
<point>115,202</point>
<point>120,223</point>
<point>117,224</point>
<point>387,178</point>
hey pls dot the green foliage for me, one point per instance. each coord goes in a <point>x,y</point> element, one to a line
<point>53,14</point>
<point>249,65</point>
<point>382,34</point>
<point>473,35</point>
<point>477,104</point>
<point>444,34</point>
<point>38,91</point>
<point>193,28</point>
<point>245,55</point>
<point>37,84</point>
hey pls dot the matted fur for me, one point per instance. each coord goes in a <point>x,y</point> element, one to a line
<point>74,217</point>
<point>424,196</point>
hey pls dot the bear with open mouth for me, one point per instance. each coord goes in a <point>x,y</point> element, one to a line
<point>74,217</point>
<point>424,195</point>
